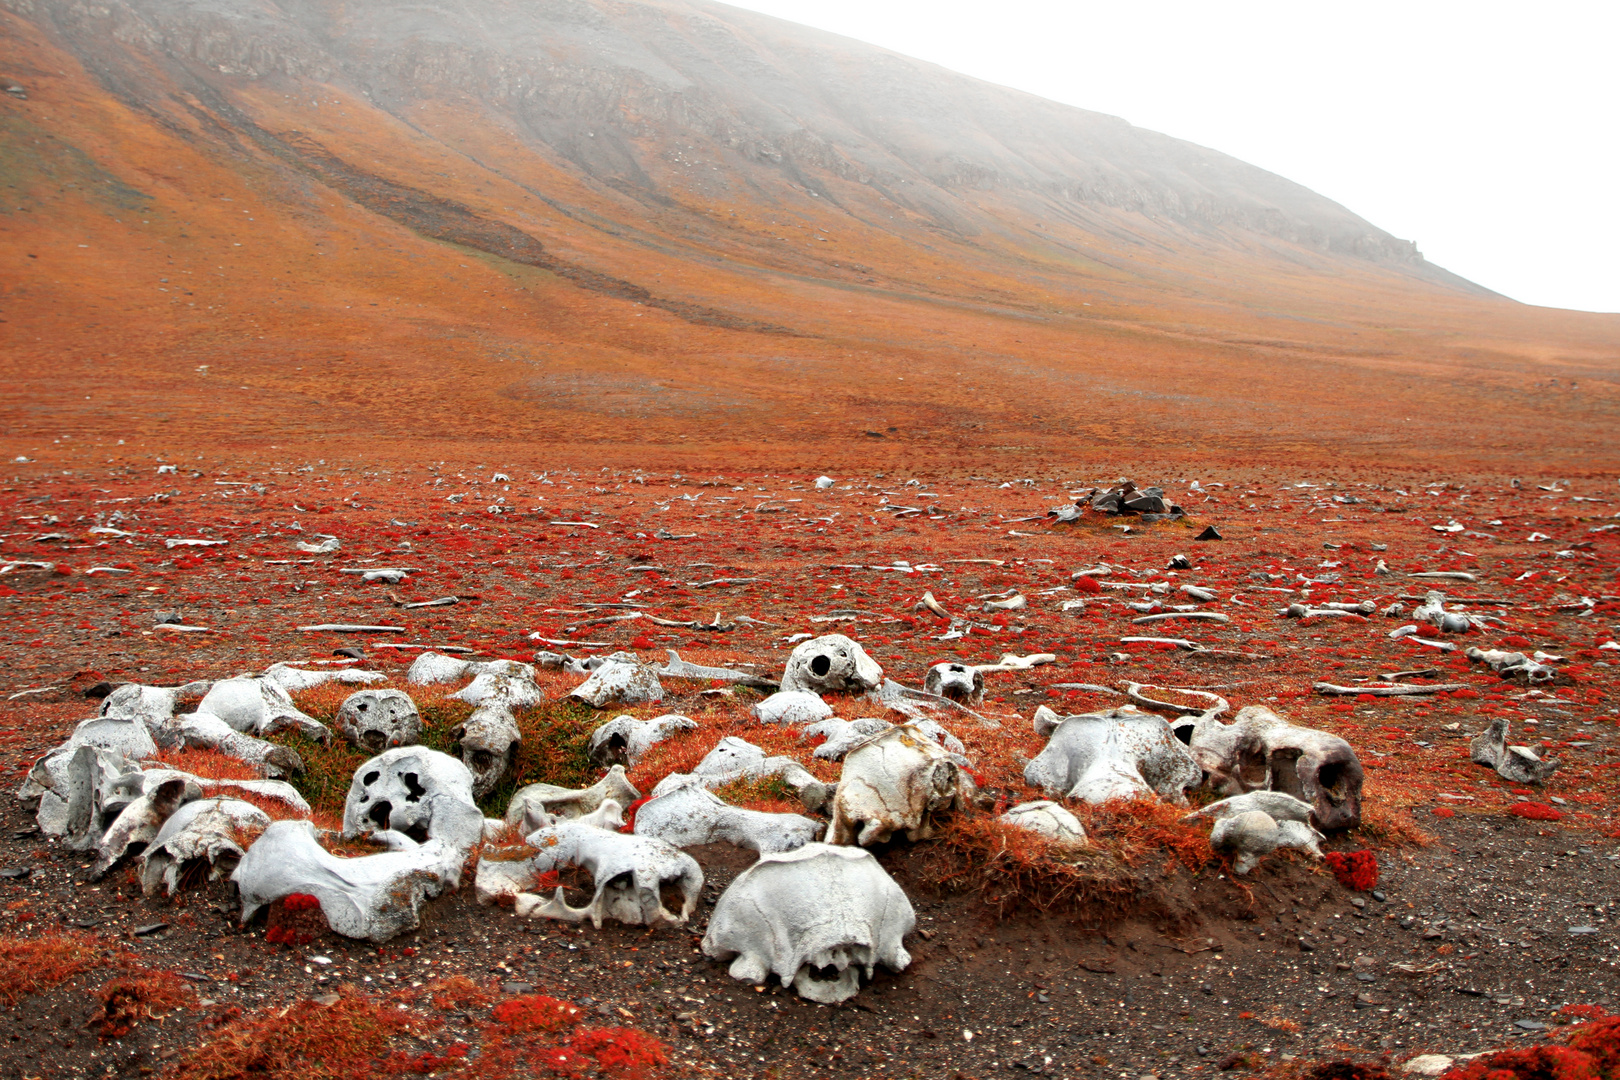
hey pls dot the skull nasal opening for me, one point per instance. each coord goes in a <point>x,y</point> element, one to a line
<point>820,664</point>
<point>380,812</point>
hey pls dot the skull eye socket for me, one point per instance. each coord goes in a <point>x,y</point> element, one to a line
<point>820,664</point>
<point>370,778</point>
<point>413,787</point>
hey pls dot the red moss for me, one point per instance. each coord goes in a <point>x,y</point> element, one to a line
<point>1356,870</point>
<point>39,964</point>
<point>129,999</point>
<point>1535,811</point>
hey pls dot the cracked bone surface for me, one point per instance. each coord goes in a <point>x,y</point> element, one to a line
<point>204,831</point>
<point>154,706</point>
<point>692,814</point>
<point>257,706</point>
<point>1433,611</point>
<point>624,739</point>
<point>373,897</point>
<point>831,663</point>
<point>791,707</point>
<point>205,731</point>
<point>417,792</point>
<point>1259,750</point>
<point>293,679</point>
<point>959,682</point>
<point>620,682</point>
<point>895,781</point>
<point>681,669</point>
<point>630,873</point>
<point>818,918</point>
<point>1253,834</point>
<point>431,667</point>
<point>842,735</point>
<point>1519,764</point>
<point>378,720</point>
<point>560,802</point>
<point>1052,820</point>
<point>1118,754</point>
<point>488,743</point>
<point>737,759</point>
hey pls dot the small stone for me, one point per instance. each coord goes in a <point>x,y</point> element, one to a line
<point>1583,929</point>
<point>517,988</point>
<point>16,873</point>
<point>1358,902</point>
<point>150,929</point>
<point>1366,976</point>
<point>322,960</point>
<point>1210,533</point>
<point>1530,1025</point>
<point>326,999</point>
<point>1380,897</point>
<point>1306,946</point>
<point>1427,1065</point>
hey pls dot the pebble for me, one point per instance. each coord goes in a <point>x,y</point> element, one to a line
<point>150,929</point>
<point>516,988</point>
<point>326,999</point>
<point>1530,1025</point>
<point>16,873</point>
<point>1583,929</point>
<point>1428,1065</point>
<point>1378,895</point>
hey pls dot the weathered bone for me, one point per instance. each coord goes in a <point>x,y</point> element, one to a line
<point>935,606</point>
<point>293,679</point>
<point>1119,754</point>
<point>806,913</point>
<point>420,793</point>
<point>1052,820</point>
<point>561,802</point>
<point>898,780</point>
<point>737,759</point>
<point>374,897</point>
<point>152,705</point>
<point>259,707</point>
<point>1278,805</point>
<point>1259,750</point>
<point>831,663</point>
<point>911,703</point>
<point>431,667</point>
<point>619,683</point>
<point>1014,662</point>
<point>1433,611</point>
<point>1514,665</point>
<point>138,823</point>
<point>1401,690</point>
<point>1304,611</point>
<point>513,689</point>
<point>630,873</point>
<point>1010,603</point>
<point>842,735</point>
<point>378,720</point>
<point>959,682</point>
<point>488,744</point>
<point>1520,764</point>
<point>1218,704</point>
<point>1253,835</point>
<point>203,831</point>
<point>791,707</point>
<point>681,669</point>
<point>624,739</point>
<point>206,731</point>
<point>692,814</point>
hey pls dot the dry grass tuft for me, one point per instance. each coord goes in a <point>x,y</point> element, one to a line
<point>38,964</point>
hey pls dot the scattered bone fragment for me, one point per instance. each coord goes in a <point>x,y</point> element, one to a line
<point>561,802</point>
<point>630,873</point>
<point>1052,820</point>
<point>488,743</point>
<point>1202,595</point>
<point>899,780</point>
<point>373,897</point>
<point>1377,690</point>
<point>1433,611</point>
<point>420,793</point>
<point>935,606</point>
<point>137,823</point>
<point>514,688</point>
<point>1259,750</point>
<point>791,707</point>
<point>831,663</point>
<point>1118,754</point>
<point>1254,834</point>
<point>378,720</point>
<point>681,669</point>
<point>1197,616</point>
<point>326,546</point>
<point>1304,611</point>
<point>207,831</point>
<point>1278,805</point>
<point>1518,764</point>
<point>620,683</point>
<point>1217,704</point>
<point>804,915</point>
<point>259,706</point>
<point>1011,603</point>
<point>691,814</point>
<point>1364,607</point>
<point>624,739</point>
<point>1445,575</point>
<point>1516,666</point>
<point>842,735</point>
<point>208,732</point>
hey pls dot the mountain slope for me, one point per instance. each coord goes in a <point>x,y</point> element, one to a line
<point>543,221</point>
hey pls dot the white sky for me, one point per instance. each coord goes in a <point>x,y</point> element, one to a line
<point>1487,132</point>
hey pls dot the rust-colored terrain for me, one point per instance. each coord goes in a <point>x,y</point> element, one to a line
<point>565,305</point>
<point>682,232</point>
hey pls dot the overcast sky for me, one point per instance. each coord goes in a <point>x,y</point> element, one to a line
<point>1487,132</point>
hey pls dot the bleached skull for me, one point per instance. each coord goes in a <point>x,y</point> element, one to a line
<point>259,707</point>
<point>959,682</point>
<point>620,682</point>
<point>202,833</point>
<point>1253,825</point>
<point>737,759</point>
<point>488,743</point>
<point>624,739</point>
<point>560,802</point>
<point>1052,820</point>
<point>1260,751</point>
<point>378,720</point>
<point>1120,754</point>
<point>831,663</point>
<point>896,781</point>
<point>818,918</point>
<point>417,792</point>
<point>692,814</point>
<point>630,873</point>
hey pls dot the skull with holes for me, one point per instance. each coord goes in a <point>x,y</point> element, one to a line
<point>488,743</point>
<point>378,720</point>
<point>959,682</point>
<point>831,663</point>
<point>418,792</point>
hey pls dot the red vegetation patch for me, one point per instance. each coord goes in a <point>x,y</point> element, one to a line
<point>295,919</point>
<point>305,1041</point>
<point>1535,811</point>
<point>28,967</point>
<point>1356,870</point>
<point>129,999</point>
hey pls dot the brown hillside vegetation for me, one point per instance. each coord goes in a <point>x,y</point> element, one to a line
<point>683,230</point>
